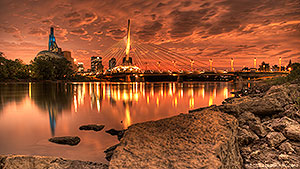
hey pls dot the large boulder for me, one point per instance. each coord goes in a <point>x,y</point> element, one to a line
<point>39,162</point>
<point>273,101</point>
<point>205,139</point>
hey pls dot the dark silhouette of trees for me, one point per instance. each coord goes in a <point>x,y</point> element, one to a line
<point>13,69</point>
<point>49,68</point>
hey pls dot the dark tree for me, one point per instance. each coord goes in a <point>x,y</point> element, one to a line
<point>49,68</point>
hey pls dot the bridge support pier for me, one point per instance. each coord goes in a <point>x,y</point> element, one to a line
<point>179,78</point>
<point>127,78</point>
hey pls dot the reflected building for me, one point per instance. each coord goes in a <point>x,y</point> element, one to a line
<point>53,99</point>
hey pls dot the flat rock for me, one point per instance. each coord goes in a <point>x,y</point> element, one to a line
<point>282,123</point>
<point>246,137</point>
<point>94,127</point>
<point>292,132</point>
<point>68,140</point>
<point>273,102</point>
<point>275,138</point>
<point>286,147</point>
<point>40,162</point>
<point>205,139</point>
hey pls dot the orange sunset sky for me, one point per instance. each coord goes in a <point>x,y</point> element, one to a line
<point>217,29</point>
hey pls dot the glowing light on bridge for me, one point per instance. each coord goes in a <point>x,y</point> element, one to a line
<point>192,63</point>
<point>254,63</point>
<point>128,41</point>
<point>231,64</point>
<point>279,64</point>
<point>210,65</point>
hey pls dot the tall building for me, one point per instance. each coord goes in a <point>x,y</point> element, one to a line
<point>112,63</point>
<point>55,52</point>
<point>96,64</point>
<point>80,67</point>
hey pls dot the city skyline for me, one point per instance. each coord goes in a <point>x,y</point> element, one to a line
<point>218,30</point>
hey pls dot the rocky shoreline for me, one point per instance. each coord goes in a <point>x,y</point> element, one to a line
<point>258,128</point>
<point>268,134</point>
<point>40,162</point>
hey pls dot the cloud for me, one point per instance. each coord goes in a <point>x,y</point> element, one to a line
<point>37,32</point>
<point>72,15</point>
<point>292,55</point>
<point>82,51</point>
<point>282,52</point>
<point>85,18</point>
<point>185,22</point>
<point>116,34</point>
<point>80,31</point>
<point>86,37</point>
<point>14,31</point>
<point>98,33</point>
<point>149,31</point>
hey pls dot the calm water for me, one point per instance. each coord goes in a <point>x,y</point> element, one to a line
<point>31,113</point>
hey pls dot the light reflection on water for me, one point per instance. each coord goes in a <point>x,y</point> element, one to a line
<point>30,113</point>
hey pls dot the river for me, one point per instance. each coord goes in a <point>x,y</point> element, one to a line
<point>31,113</point>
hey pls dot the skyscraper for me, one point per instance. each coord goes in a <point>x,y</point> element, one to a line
<point>112,63</point>
<point>96,64</point>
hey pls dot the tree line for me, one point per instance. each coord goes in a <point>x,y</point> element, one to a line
<point>41,68</point>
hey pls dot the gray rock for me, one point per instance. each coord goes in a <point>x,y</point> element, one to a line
<point>275,138</point>
<point>118,133</point>
<point>258,129</point>
<point>283,157</point>
<point>94,127</point>
<point>286,147</point>
<point>247,117</point>
<point>282,123</point>
<point>205,139</point>
<point>68,140</point>
<point>40,162</point>
<point>292,132</point>
<point>245,137</point>
<point>273,102</point>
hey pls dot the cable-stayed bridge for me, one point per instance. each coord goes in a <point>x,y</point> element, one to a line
<point>130,60</point>
<point>147,56</point>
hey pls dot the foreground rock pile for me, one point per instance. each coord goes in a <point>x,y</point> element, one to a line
<point>38,162</point>
<point>269,126</point>
<point>268,134</point>
<point>206,139</point>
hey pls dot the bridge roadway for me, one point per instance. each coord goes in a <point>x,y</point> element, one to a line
<point>187,76</point>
